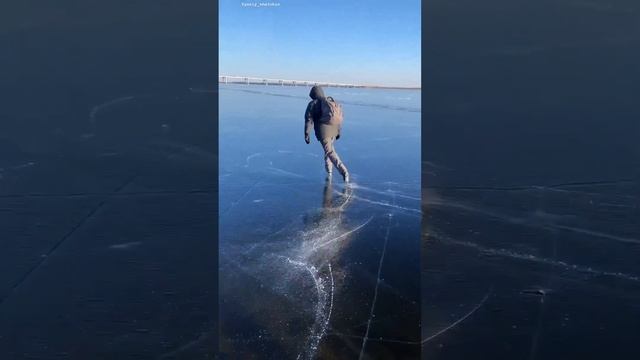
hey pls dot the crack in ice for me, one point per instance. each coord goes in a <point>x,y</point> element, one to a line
<point>535,221</point>
<point>341,236</point>
<point>533,258</point>
<point>375,293</point>
<point>459,321</point>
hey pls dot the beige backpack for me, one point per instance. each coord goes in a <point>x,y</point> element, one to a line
<point>331,111</point>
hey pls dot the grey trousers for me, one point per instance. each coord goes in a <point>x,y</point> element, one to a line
<point>331,157</point>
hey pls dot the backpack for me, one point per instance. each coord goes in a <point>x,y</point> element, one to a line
<point>331,112</point>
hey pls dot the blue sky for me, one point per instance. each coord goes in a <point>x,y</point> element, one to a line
<point>353,41</point>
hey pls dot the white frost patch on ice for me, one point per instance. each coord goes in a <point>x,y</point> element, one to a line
<point>125,246</point>
<point>96,109</point>
<point>25,165</point>
<point>285,172</point>
<point>251,157</point>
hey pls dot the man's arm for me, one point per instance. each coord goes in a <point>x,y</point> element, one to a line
<point>308,122</point>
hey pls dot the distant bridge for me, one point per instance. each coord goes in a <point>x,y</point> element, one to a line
<point>248,80</point>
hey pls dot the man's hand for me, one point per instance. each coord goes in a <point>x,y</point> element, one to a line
<point>307,139</point>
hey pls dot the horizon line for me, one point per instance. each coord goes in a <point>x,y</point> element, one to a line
<point>258,80</point>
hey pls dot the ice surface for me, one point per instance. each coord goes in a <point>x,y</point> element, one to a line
<point>314,269</point>
<point>531,181</point>
<point>107,239</point>
<point>108,194</point>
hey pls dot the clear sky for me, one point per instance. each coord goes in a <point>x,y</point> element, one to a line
<point>373,42</point>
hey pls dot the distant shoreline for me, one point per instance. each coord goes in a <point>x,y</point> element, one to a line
<point>392,87</point>
<point>324,85</point>
<point>254,80</point>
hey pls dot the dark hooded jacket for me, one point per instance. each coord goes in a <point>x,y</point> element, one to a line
<point>313,114</point>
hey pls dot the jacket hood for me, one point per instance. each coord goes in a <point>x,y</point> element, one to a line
<point>316,93</point>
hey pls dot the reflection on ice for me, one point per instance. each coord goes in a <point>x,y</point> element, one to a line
<point>303,262</point>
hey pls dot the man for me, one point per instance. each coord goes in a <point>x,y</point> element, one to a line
<point>324,115</point>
